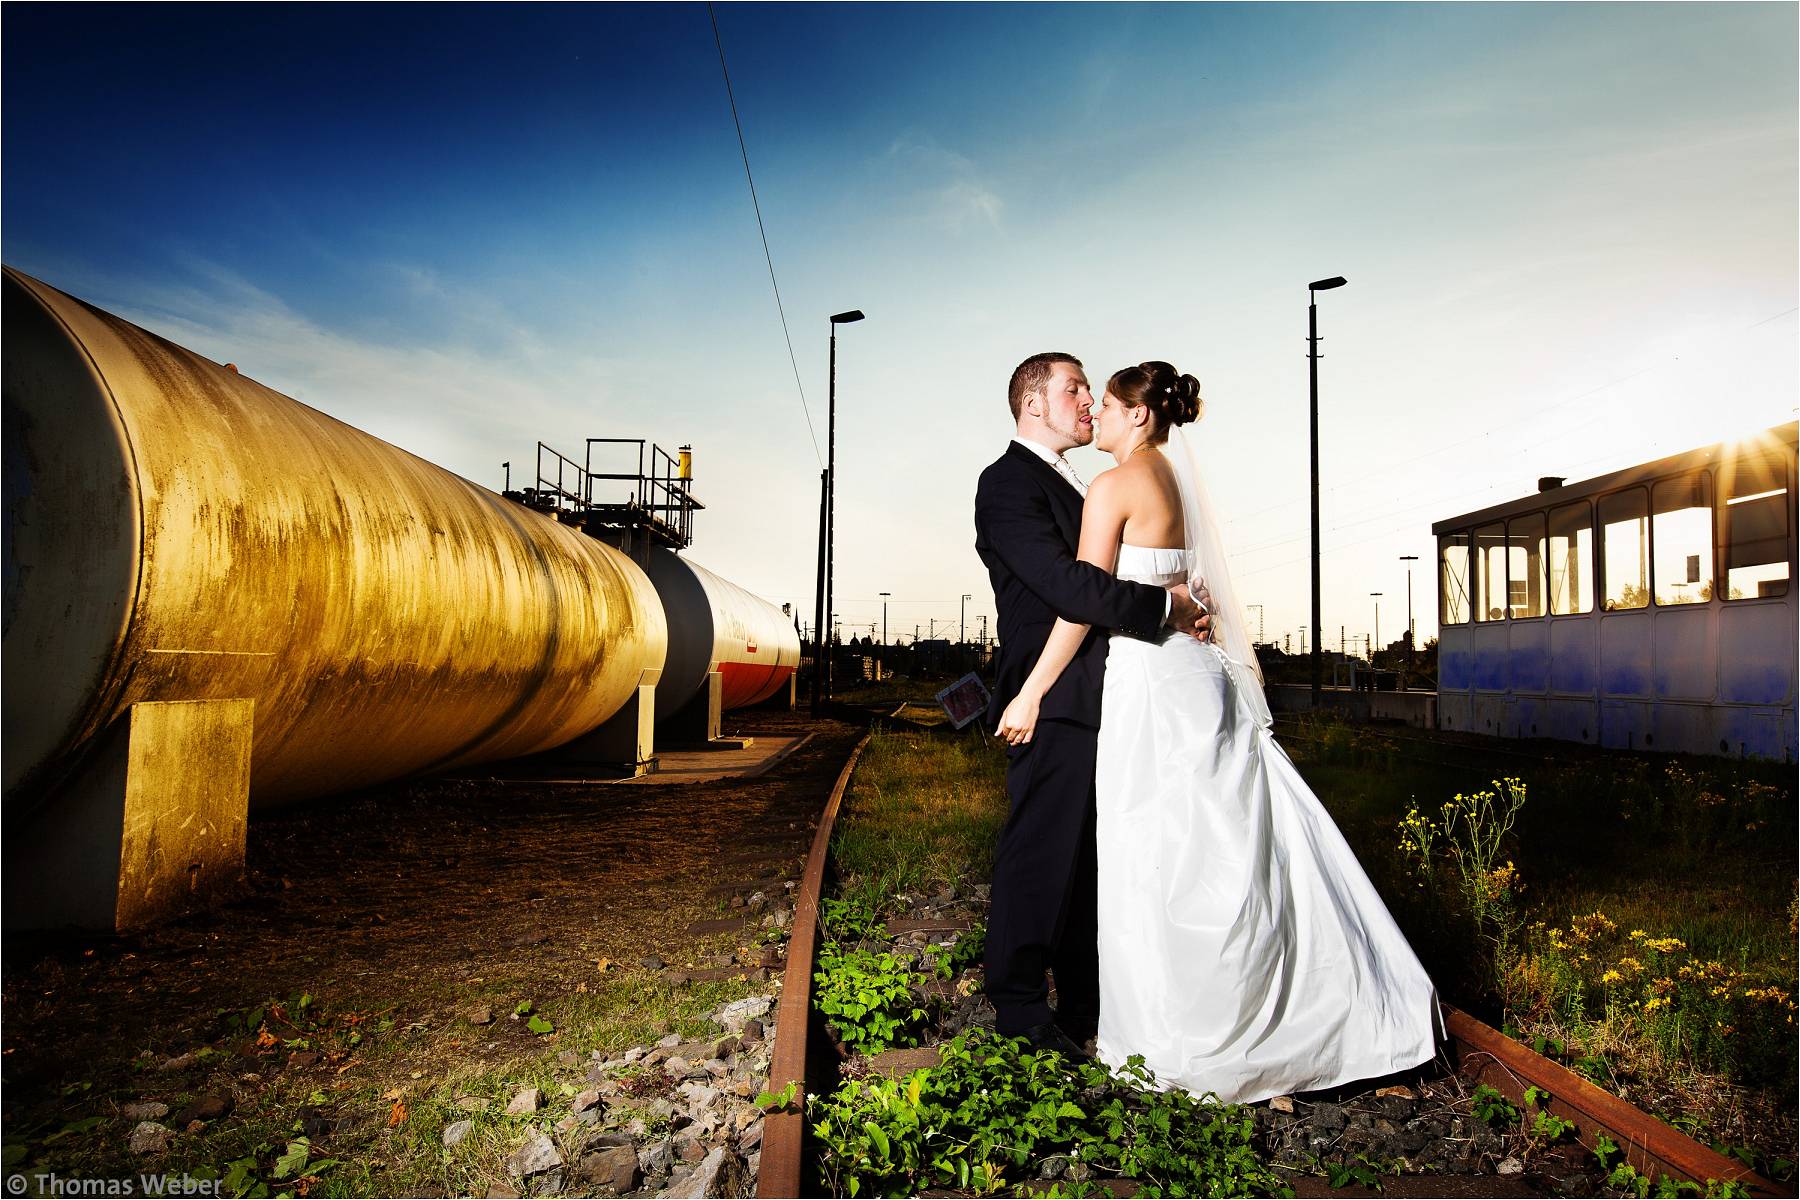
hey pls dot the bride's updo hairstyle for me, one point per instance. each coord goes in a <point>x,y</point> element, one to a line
<point>1172,397</point>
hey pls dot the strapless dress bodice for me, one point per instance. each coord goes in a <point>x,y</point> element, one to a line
<point>1161,565</point>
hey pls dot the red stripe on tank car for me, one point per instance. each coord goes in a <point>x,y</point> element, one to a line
<point>747,683</point>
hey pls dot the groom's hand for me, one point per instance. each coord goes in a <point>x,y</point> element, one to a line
<point>1189,617</point>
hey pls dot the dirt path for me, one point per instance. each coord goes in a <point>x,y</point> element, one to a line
<point>395,912</point>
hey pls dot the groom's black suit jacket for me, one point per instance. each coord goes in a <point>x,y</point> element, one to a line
<point>1027,530</point>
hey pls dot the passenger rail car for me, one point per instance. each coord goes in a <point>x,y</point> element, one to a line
<point>1650,608</point>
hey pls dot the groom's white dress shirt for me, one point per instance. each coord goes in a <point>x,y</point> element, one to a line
<point>1062,467</point>
<point>1057,461</point>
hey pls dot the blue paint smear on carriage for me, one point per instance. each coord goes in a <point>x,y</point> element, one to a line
<point>1756,683</point>
<point>1571,673</point>
<point>1624,679</point>
<point>1490,670</point>
<point>1453,668</point>
<point>1530,668</point>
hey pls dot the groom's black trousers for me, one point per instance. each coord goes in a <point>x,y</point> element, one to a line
<point>1045,887</point>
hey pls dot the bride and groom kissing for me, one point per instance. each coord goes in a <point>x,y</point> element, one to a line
<point>1162,859</point>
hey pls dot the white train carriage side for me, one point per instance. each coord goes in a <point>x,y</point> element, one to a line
<point>1650,608</point>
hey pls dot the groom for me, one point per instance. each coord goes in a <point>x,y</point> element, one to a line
<point>1027,527</point>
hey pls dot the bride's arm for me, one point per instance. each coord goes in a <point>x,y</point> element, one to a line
<point>1102,524</point>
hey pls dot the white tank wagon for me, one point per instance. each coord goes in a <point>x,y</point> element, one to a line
<point>1650,608</point>
<point>734,649</point>
<point>217,597</point>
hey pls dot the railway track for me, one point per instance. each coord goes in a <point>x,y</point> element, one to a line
<point>1480,1054</point>
<point>405,902</point>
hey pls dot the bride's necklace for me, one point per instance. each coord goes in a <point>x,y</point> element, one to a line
<point>1141,446</point>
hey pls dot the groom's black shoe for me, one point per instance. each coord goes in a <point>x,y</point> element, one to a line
<point>1081,1029</point>
<point>1049,1036</point>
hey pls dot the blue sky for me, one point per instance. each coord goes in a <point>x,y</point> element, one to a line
<point>1569,232</point>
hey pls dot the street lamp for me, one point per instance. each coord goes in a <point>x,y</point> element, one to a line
<point>1312,356</point>
<point>1409,560</point>
<point>1377,641</point>
<point>962,619</point>
<point>881,657</point>
<point>820,654</point>
<point>843,318</point>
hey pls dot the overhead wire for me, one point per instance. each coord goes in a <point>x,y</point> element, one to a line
<point>764,233</point>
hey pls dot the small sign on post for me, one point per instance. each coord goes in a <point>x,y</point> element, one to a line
<point>965,699</point>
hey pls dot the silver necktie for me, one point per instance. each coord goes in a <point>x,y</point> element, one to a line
<point>1068,471</point>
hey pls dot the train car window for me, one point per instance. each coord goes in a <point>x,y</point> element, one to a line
<point>1571,555</point>
<point>1525,566</point>
<point>1755,514</point>
<point>1625,542</point>
<point>1681,539</point>
<point>1490,573</point>
<point>1453,579</point>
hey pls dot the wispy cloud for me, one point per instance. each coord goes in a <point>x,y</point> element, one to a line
<point>448,401</point>
<point>948,187</point>
<point>467,408</point>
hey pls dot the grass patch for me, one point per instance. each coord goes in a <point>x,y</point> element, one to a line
<point>1613,856</point>
<point>895,689</point>
<point>377,1115</point>
<point>634,1010</point>
<point>923,811</point>
<point>1602,830</point>
<point>922,816</point>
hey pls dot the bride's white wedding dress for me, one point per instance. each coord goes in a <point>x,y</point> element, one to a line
<point>1243,951</point>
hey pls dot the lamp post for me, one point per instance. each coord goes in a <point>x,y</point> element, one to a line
<point>1377,641</point>
<point>882,656</point>
<point>1409,560</point>
<point>962,619</point>
<point>820,654</point>
<point>1312,356</point>
<point>843,318</point>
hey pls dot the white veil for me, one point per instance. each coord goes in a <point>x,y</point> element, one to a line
<point>1207,564</point>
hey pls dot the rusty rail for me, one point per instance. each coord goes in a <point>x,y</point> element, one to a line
<point>784,1132</point>
<point>1486,1055</point>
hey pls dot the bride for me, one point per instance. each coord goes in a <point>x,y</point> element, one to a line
<point>1243,951</point>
